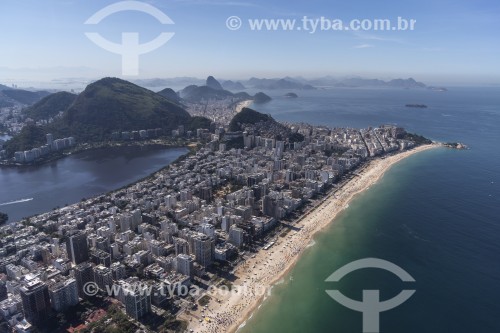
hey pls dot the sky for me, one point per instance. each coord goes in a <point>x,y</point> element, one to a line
<point>454,41</point>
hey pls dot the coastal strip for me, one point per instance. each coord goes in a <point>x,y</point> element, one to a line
<point>243,104</point>
<point>227,312</point>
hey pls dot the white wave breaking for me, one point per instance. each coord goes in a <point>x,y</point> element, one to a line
<point>15,202</point>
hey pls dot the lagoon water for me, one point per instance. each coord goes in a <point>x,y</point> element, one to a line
<point>435,214</point>
<point>31,190</point>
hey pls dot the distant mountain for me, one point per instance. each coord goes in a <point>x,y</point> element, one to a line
<point>277,84</point>
<point>2,87</point>
<point>213,83</point>
<point>23,96</point>
<point>170,94</point>
<point>234,86</point>
<point>247,116</point>
<point>358,82</point>
<point>355,82</point>
<point>261,98</point>
<point>326,81</point>
<point>287,82</point>
<point>299,83</point>
<point>50,106</point>
<point>198,93</point>
<point>243,95</point>
<point>408,83</point>
<point>169,82</point>
<point>260,124</point>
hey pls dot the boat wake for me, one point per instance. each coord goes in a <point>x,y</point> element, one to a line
<point>15,202</point>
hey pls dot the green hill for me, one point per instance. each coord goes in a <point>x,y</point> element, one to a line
<point>260,124</point>
<point>198,93</point>
<point>25,96</point>
<point>247,116</point>
<point>50,106</point>
<point>105,106</point>
<point>170,94</point>
<point>112,104</point>
<point>198,122</point>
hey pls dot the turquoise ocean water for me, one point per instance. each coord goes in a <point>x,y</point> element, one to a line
<point>435,214</point>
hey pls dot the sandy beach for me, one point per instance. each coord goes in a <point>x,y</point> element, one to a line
<point>227,311</point>
<point>242,104</point>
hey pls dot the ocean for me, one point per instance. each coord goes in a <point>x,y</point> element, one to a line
<point>435,214</point>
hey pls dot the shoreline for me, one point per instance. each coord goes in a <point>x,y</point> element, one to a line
<point>86,148</point>
<point>269,267</point>
<point>243,104</point>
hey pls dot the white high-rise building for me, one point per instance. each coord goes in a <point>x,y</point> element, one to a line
<point>137,301</point>
<point>236,236</point>
<point>185,264</point>
<point>203,249</point>
<point>208,229</point>
<point>63,294</point>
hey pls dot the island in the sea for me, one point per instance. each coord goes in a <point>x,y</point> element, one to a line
<point>420,106</point>
<point>456,145</point>
<point>291,95</point>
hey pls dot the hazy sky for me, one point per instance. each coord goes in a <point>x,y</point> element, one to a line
<point>453,41</point>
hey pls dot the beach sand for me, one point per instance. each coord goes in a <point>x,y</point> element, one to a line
<point>227,311</point>
<point>242,104</point>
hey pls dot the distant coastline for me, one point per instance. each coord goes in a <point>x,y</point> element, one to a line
<point>243,104</point>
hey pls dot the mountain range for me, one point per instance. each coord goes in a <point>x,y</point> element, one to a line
<point>212,90</point>
<point>295,83</point>
<point>9,96</point>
